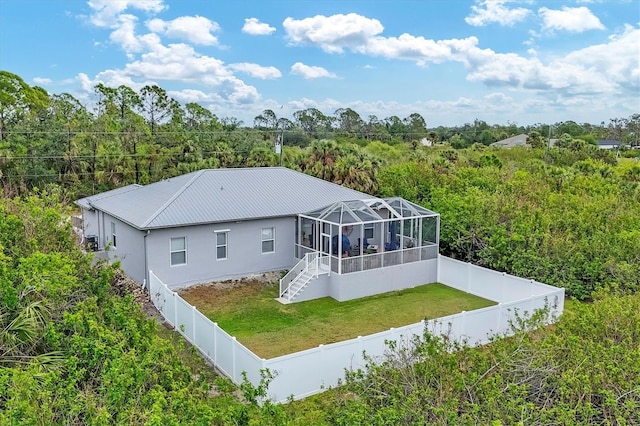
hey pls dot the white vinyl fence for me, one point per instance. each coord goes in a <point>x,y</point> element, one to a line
<point>312,371</point>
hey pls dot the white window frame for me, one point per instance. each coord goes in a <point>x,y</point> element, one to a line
<point>369,227</point>
<point>113,235</point>
<point>225,245</point>
<point>171,251</point>
<point>263,240</point>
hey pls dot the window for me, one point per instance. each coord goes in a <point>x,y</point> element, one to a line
<point>221,245</point>
<point>178,250</point>
<point>113,234</point>
<point>368,231</point>
<point>268,240</point>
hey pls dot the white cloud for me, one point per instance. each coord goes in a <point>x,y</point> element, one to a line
<point>258,71</point>
<point>572,19</point>
<point>495,11</point>
<point>191,95</point>
<point>195,29</point>
<point>418,49</point>
<point>332,33</point>
<point>253,26</point>
<point>600,69</point>
<point>42,80</point>
<point>106,12</point>
<point>310,72</point>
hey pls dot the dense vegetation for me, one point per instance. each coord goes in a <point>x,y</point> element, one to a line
<point>75,348</point>
<point>74,351</point>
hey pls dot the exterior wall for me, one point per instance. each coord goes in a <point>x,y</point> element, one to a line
<point>381,280</point>
<point>244,251</point>
<point>129,249</point>
<point>316,289</point>
<point>90,222</point>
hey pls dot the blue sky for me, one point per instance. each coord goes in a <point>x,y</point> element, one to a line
<point>501,61</point>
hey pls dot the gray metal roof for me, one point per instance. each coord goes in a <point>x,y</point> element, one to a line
<point>86,201</point>
<point>222,195</point>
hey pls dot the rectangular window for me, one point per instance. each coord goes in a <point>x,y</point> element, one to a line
<point>221,245</point>
<point>113,234</point>
<point>268,240</point>
<point>178,250</point>
<point>368,230</point>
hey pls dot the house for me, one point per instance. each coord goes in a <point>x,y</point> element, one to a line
<point>519,140</point>
<point>218,224</point>
<point>609,144</point>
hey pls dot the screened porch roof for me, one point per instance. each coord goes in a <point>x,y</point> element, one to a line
<point>369,210</point>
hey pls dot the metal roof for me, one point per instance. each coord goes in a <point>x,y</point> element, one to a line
<point>222,195</point>
<point>86,201</point>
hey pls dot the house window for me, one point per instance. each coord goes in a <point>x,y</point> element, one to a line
<point>268,240</point>
<point>113,234</point>
<point>178,250</point>
<point>368,231</point>
<point>221,244</point>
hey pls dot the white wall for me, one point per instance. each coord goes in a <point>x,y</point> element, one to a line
<point>244,251</point>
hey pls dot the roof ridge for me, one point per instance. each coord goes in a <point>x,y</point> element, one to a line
<point>173,198</point>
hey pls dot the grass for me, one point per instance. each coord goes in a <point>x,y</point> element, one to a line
<point>269,328</point>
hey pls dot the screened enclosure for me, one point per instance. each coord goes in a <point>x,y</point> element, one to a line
<point>366,234</point>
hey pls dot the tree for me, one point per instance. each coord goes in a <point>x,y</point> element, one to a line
<point>348,121</point>
<point>416,126</point>
<point>18,100</point>
<point>313,122</point>
<point>156,106</point>
<point>536,140</point>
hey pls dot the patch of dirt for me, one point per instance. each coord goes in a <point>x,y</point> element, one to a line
<point>219,293</point>
<point>123,285</point>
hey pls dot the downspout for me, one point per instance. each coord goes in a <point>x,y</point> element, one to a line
<point>145,284</point>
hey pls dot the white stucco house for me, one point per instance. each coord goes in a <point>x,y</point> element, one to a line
<point>218,224</point>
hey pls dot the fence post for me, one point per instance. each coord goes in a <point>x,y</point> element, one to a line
<point>233,361</point>
<point>469,266</point>
<point>463,331</point>
<point>193,324</point>
<point>215,343</point>
<point>175,311</point>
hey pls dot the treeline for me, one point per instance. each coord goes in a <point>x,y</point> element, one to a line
<point>144,136</point>
<point>561,217</point>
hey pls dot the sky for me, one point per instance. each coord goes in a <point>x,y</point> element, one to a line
<point>500,61</point>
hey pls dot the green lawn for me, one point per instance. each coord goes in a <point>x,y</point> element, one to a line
<point>270,328</point>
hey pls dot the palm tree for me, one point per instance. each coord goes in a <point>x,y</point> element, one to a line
<point>20,334</point>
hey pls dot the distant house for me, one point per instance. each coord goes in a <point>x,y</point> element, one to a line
<point>519,140</point>
<point>226,223</point>
<point>609,144</point>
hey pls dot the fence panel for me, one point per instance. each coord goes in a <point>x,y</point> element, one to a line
<point>184,318</point>
<point>453,273</point>
<point>485,283</point>
<point>205,332</point>
<point>224,353</point>
<point>302,374</point>
<point>480,324</point>
<point>246,361</point>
